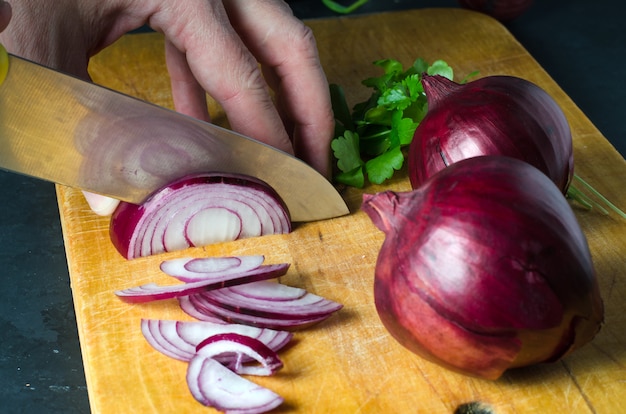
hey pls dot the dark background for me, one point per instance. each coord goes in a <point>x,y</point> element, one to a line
<point>582,45</point>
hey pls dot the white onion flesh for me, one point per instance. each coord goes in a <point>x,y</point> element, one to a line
<point>214,385</point>
<point>197,211</point>
<point>179,339</point>
<point>271,300</point>
<point>152,291</point>
<point>293,317</point>
<point>190,309</point>
<point>217,351</point>
<point>240,349</point>
<point>194,269</point>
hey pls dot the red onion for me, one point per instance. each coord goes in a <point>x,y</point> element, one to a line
<point>484,268</point>
<point>503,10</point>
<point>240,346</point>
<point>495,115</point>
<point>178,339</point>
<point>263,304</point>
<point>217,351</point>
<point>272,300</point>
<point>214,385</point>
<point>151,291</point>
<point>190,309</point>
<point>188,269</point>
<point>196,211</point>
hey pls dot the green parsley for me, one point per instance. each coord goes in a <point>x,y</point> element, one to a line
<point>369,140</point>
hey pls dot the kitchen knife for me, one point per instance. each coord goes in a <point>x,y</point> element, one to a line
<point>62,129</point>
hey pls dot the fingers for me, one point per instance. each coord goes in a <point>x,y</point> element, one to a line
<point>223,42</point>
<point>287,50</point>
<point>216,56</point>
<point>189,97</point>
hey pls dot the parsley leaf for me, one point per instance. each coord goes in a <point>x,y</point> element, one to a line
<point>402,129</point>
<point>382,167</point>
<point>369,141</point>
<point>439,67</point>
<point>346,150</point>
<point>353,178</point>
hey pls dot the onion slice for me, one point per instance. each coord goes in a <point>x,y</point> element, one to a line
<point>190,269</point>
<point>214,385</point>
<point>179,339</point>
<point>198,210</point>
<point>262,305</point>
<point>189,307</point>
<point>152,291</point>
<point>238,347</point>
<point>271,300</point>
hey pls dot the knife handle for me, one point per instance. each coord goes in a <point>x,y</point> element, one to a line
<point>4,63</point>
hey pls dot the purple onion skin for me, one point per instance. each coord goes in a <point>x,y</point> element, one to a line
<point>484,268</point>
<point>495,115</point>
<point>503,10</point>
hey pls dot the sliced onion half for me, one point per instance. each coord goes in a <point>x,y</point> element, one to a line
<point>214,385</point>
<point>196,211</point>
<point>152,291</point>
<point>240,349</point>
<point>179,339</point>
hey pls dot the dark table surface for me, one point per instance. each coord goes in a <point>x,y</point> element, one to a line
<point>582,45</point>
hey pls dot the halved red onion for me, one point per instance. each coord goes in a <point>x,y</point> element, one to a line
<point>179,339</point>
<point>214,385</point>
<point>240,349</point>
<point>194,269</point>
<point>152,291</point>
<point>196,211</point>
<point>270,312</point>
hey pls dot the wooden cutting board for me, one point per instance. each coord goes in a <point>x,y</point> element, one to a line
<point>348,364</point>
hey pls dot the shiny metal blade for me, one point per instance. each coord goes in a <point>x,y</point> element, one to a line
<point>62,129</point>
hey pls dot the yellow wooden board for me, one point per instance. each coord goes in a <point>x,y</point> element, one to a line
<point>348,364</point>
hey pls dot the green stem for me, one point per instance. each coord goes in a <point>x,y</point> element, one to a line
<point>377,135</point>
<point>581,198</point>
<point>338,8</point>
<point>578,195</point>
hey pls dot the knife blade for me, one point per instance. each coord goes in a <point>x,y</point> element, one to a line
<point>62,129</point>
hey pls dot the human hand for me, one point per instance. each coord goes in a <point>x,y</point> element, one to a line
<point>211,45</point>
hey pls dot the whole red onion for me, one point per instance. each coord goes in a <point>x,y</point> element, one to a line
<point>484,268</point>
<point>503,10</point>
<point>495,115</point>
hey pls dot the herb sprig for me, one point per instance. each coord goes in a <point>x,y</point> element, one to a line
<point>369,140</point>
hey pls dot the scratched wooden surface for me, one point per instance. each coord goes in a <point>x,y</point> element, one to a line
<point>348,364</point>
